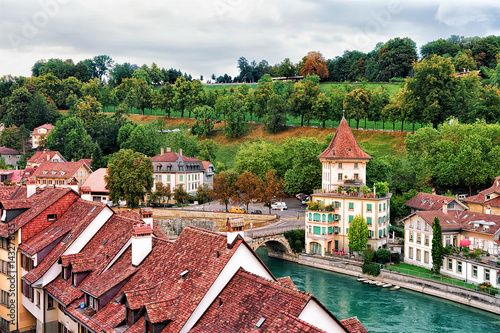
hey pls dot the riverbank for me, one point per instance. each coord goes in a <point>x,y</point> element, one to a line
<point>430,287</point>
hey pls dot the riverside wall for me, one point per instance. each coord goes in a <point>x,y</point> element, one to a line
<point>453,293</point>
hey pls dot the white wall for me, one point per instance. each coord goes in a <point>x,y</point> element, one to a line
<point>315,315</point>
<point>69,323</point>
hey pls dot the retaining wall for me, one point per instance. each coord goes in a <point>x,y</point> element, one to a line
<point>457,294</point>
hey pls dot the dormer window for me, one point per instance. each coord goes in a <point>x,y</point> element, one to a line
<point>45,172</point>
<point>92,302</point>
<point>66,273</point>
<point>51,217</point>
<point>54,172</point>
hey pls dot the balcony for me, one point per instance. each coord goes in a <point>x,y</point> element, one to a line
<point>316,236</point>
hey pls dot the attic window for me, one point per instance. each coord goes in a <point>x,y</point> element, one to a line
<point>45,172</point>
<point>51,217</point>
<point>67,237</point>
<point>54,172</point>
<point>104,243</point>
<point>63,173</point>
<point>260,322</point>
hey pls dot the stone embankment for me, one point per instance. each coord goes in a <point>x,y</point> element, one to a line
<point>453,293</point>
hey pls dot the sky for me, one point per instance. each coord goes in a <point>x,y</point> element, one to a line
<point>205,37</point>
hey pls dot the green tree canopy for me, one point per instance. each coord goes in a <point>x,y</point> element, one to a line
<point>358,234</point>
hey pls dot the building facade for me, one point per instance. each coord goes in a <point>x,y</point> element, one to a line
<point>340,198</point>
<point>61,174</point>
<point>10,156</point>
<point>174,169</point>
<point>39,135</point>
<point>486,201</point>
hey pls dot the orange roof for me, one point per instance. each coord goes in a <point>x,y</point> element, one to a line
<point>41,156</point>
<point>428,201</point>
<point>58,169</point>
<point>96,181</point>
<point>172,157</point>
<point>206,164</point>
<point>48,127</point>
<point>344,145</point>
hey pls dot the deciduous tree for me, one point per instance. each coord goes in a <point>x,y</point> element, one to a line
<point>224,187</point>
<point>358,234</point>
<point>269,188</point>
<point>247,188</point>
<point>315,64</point>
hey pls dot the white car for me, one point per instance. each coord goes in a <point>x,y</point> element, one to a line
<point>280,205</point>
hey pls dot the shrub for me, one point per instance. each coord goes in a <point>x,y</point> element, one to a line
<point>371,269</point>
<point>383,255</point>
<point>397,258</point>
<point>447,250</point>
<point>329,208</point>
<point>296,239</point>
<point>368,255</point>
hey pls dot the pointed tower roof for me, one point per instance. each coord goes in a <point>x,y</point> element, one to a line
<point>344,145</point>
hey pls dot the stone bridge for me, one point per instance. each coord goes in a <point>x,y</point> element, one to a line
<point>275,242</point>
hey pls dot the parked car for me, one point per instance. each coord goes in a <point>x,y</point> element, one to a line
<point>236,209</point>
<point>256,211</point>
<point>279,205</point>
<point>301,196</point>
<point>306,200</point>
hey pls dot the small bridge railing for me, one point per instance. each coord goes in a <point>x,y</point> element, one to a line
<point>270,231</point>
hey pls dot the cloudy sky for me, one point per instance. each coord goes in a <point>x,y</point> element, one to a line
<point>202,37</point>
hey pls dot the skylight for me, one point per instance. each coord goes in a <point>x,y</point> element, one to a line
<point>260,322</point>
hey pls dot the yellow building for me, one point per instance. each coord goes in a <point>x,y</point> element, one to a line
<point>486,201</point>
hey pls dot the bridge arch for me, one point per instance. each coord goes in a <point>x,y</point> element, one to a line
<point>276,242</point>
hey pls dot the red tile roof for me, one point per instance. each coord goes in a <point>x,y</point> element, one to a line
<point>48,127</point>
<point>344,145</point>
<point>462,220</point>
<point>8,151</point>
<point>172,157</point>
<point>206,164</point>
<point>87,161</point>
<point>480,198</point>
<point>427,201</point>
<point>353,325</point>
<point>64,170</point>
<point>8,192</point>
<point>15,176</point>
<point>95,181</point>
<point>41,156</point>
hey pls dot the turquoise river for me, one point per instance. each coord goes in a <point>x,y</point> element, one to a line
<point>379,309</point>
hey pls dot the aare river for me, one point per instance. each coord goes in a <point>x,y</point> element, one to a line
<point>380,309</point>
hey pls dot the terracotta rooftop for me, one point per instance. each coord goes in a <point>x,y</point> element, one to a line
<point>428,201</point>
<point>64,170</point>
<point>353,325</point>
<point>48,127</point>
<point>8,151</point>
<point>172,156</point>
<point>41,156</point>
<point>480,198</point>
<point>96,182</point>
<point>15,176</point>
<point>344,145</point>
<point>462,220</point>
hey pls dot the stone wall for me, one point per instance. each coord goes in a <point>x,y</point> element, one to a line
<point>177,219</point>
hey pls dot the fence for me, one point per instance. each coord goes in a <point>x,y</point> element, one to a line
<point>269,231</point>
<point>442,279</point>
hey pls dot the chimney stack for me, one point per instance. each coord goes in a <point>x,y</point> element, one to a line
<point>180,151</point>
<point>162,151</point>
<point>142,242</point>
<point>433,191</point>
<point>147,216</point>
<point>30,186</point>
<point>235,226</point>
<point>445,207</point>
<point>48,157</point>
<point>488,209</point>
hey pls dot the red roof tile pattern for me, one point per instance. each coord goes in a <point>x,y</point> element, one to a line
<point>480,198</point>
<point>344,145</point>
<point>41,156</point>
<point>48,127</point>
<point>15,176</point>
<point>427,201</point>
<point>8,151</point>
<point>63,170</point>
<point>87,161</point>
<point>173,157</point>
<point>95,181</point>
<point>7,192</point>
<point>462,220</point>
<point>353,325</point>
<point>287,281</point>
<point>247,298</point>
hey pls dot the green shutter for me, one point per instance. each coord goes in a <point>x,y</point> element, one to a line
<point>316,217</point>
<point>323,217</point>
<point>384,205</point>
<point>330,230</point>
<point>369,207</point>
<point>316,230</point>
<point>330,217</point>
<point>369,220</point>
<point>347,231</point>
<point>351,205</point>
<point>380,233</point>
<point>351,218</point>
<point>168,178</point>
<point>323,230</point>
<point>310,216</point>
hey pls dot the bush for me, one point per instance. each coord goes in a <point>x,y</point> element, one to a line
<point>447,250</point>
<point>371,269</point>
<point>383,255</point>
<point>368,255</point>
<point>397,258</point>
<point>296,238</point>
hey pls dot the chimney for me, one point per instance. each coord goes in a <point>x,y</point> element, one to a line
<point>488,209</point>
<point>162,151</point>
<point>235,226</point>
<point>142,242</point>
<point>168,149</point>
<point>48,157</point>
<point>180,151</point>
<point>147,216</point>
<point>445,207</point>
<point>433,191</point>
<point>30,186</point>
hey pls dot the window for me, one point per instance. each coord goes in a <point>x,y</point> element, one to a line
<point>369,220</point>
<point>337,204</point>
<point>181,178</point>
<point>368,207</point>
<point>168,178</point>
<point>459,267</point>
<point>418,254</point>
<point>38,299</point>
<point>5,298</point>
<point>419,238</point>
<point>474,271</point>
<point>351,217</point>
<point>340,166</point>
<point>317,230</point>
<point>340,176</point>
<point>351,205</point>
<point>379,207</point>
<point>384,206</point>
<point>426,227</point>
<point>450,264</point>
<point>356,176</point>
<point>355,165</point>
<point>410,252</point>
<point>92,302</point>
<point>418,225</point>
<point>411,236</point>
<point>426,257</point>
<point>50,303</point>
<point>427,240</point>
<point>380,233</point>
<point>51,217</point>
<point>4,243</point>
<point>27,290</point>
<point>4,267</point>
<point>448,240</point>
<point>411,223</point>
<point>486,275</point>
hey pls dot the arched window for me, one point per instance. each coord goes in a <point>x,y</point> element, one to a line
<point>316,217</point>
<point>330,217</point>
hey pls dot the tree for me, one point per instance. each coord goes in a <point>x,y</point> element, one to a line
<point>87,109</point>
<point>257,157</point>
<point>302,100</point>
<point>15,138</point>
<point>162,191</point>
<point>180,194</point>
<point>315,64</point>
<point>206,118</point>
<point>296,239</point>
<point>163,99</point>
<point>286,68</point>
<point>224,187</point>
<point>207,150</point>
<point>358,234</point>
<point>129,177</point>
<point>70,138</point>
<point>356,104</point>
<point>269,188</point>
<point>101,65</point>
<point>304,168</point>
<point>437,251</point>
<point>140,95</point>
<point>182,92</point>
<point>203,194</point>
<point>275,118</point>
<point>247,188</point>
<point>322,108</point>
<point>396,58</point>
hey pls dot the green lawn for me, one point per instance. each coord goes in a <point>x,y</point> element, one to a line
<point>392,88</point>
